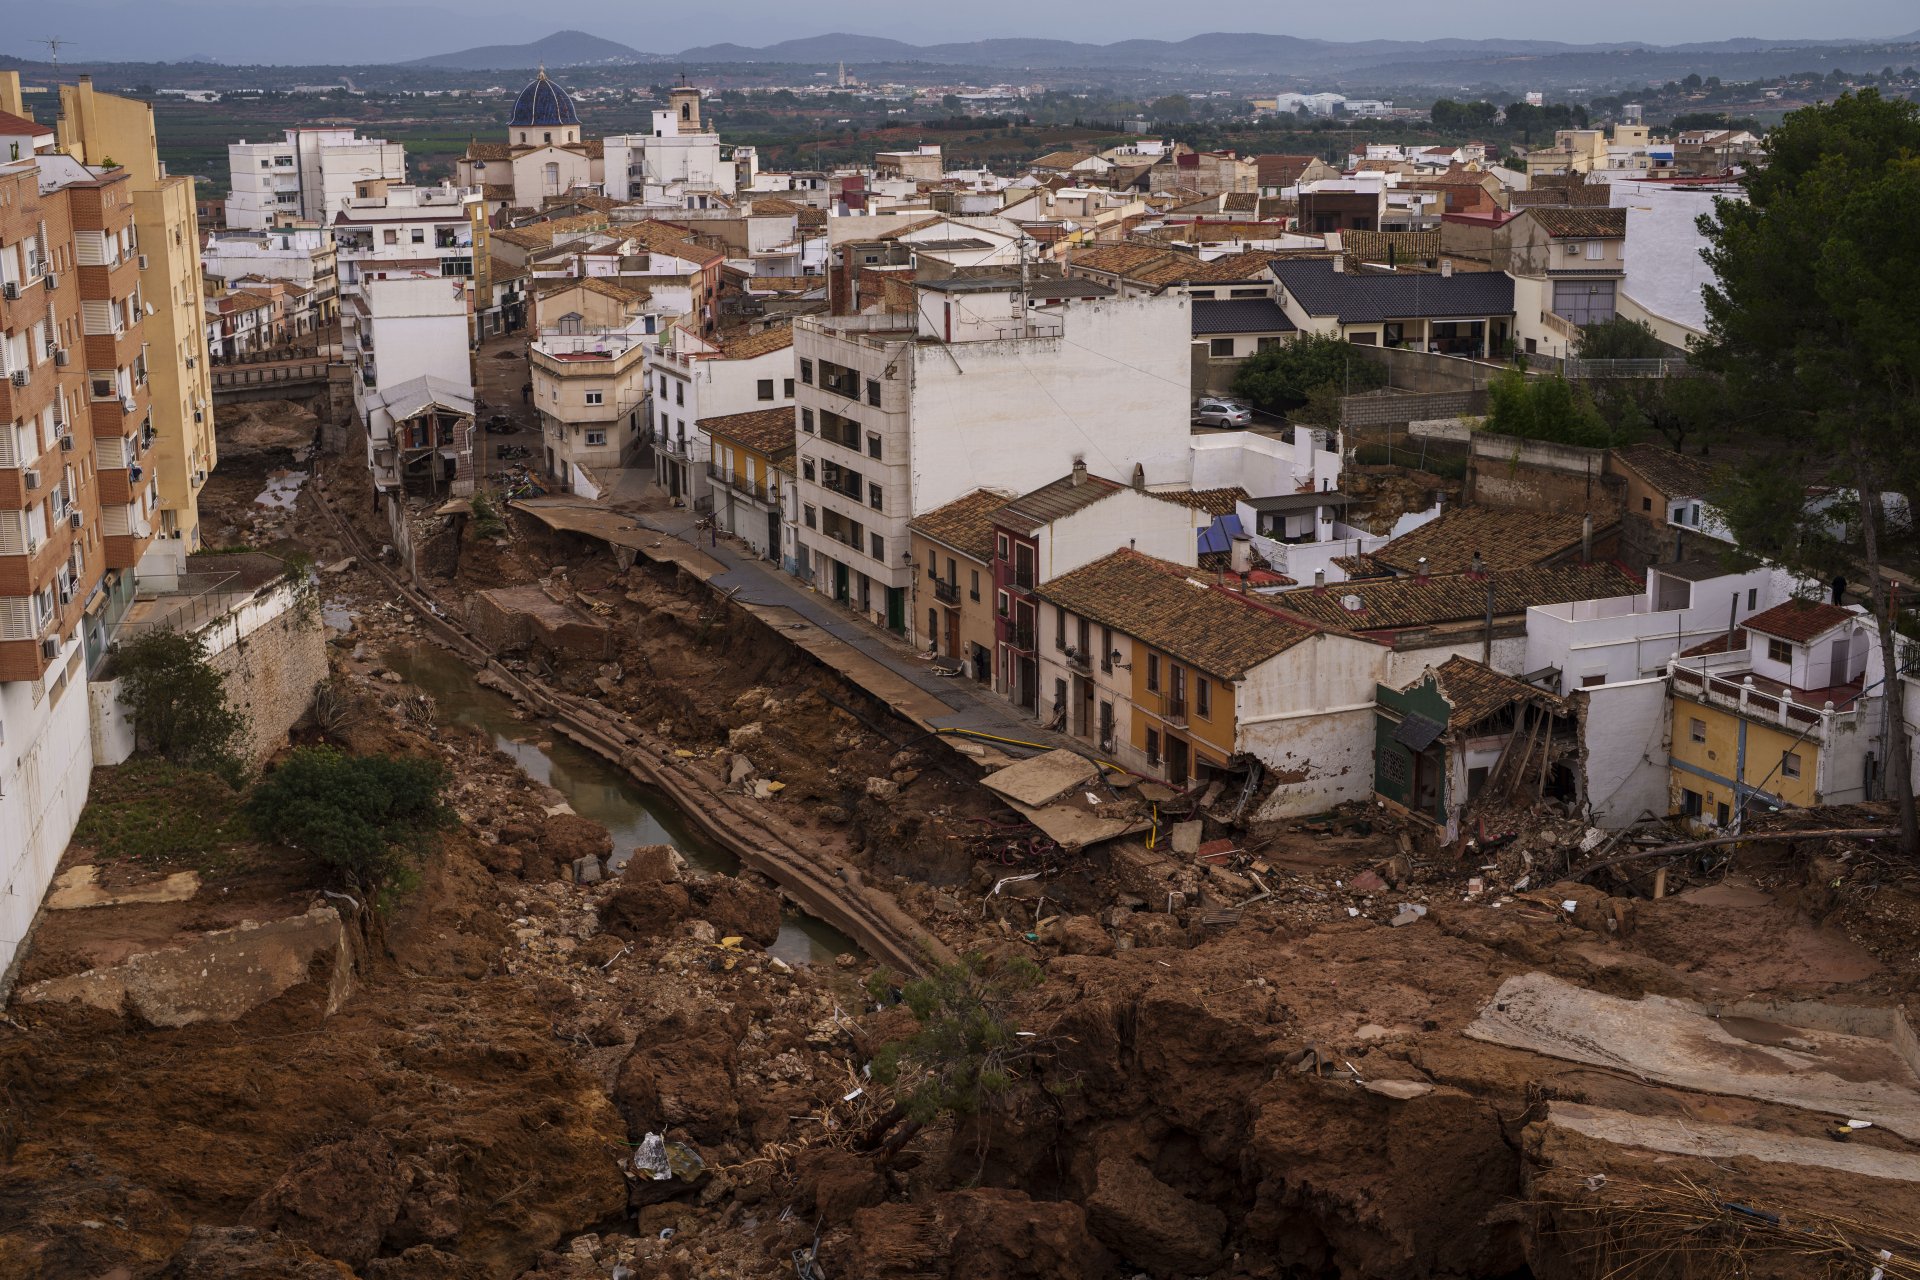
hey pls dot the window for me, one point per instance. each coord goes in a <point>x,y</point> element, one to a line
<point>1153,672</point>
<point>879,547</point>
<point>811,518</point>
<point>1753,596</point>
<point>873,496</point>
<point>548,137</point>
<point>1000,603</point>
<point>806,421</point>
<point>1697,730</point>
<point>1692,803</point>
<point>1106,649</point>
<point>806,372</point>
<point>596,397</point>
<point>1646,504</point>
<point>1596,250</point>
<point>1246,293</point>
<point>1790,764</point>
<point>873,391</point>
<point>390,236</point>
<point>1001,546</point>
<point>1106,726</point>
<point>1780,651</point>
<point>806,469</point>
<point>1220,348</point>
<point>1588,682</point>
<point>973,587</point>
<point>788,384</point>
<point>1266,344</point>
<point>764,388</point>
<point>679,393</point>
<point>1203,697</point>
<point>873,444</point>
<point>596,437</point>
<point>1153,746</point>
<point>1202,293</point>
<point>933,626</point>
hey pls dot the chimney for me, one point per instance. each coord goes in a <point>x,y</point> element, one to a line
<point>1479,565</point>
<point>1420,570</point>
<point>1446,268</point>
<point>1340,264</point>
<point>1586,539</point>
<point>1079,471</point>
<point>1320,581</point>
<point>1242,553</point>
<point>1139,477</point>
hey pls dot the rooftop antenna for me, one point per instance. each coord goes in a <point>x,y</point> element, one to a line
<point>53,44</point>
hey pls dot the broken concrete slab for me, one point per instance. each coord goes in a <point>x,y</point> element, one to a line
<point>79,888</point>
<point>1693,1137</point>
<point>1400,1090</point>
<point>1186,837</point>
<point>1045,778</point>
<point>219,977</point>
<point>586,870</point>
<point>1831,1059</point>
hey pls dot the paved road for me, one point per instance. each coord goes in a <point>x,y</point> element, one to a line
<point>754,581</point>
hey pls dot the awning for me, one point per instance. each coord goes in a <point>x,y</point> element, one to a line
<point>1417,732</point>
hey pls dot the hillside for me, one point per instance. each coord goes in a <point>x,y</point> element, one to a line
<point>561,49</point>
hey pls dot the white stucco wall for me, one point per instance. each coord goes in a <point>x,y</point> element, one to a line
<point>1623,750</point>
<point>1602,638</point>
<point>1123,519</point>
<point>46,761</point>
<point>1307,715</point>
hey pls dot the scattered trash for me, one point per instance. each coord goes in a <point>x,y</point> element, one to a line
<point>1596,1181</point>
<point>667,1233</point>
<point>849,1097</point>
<point>1567,905</point>
<point>651,1159</point>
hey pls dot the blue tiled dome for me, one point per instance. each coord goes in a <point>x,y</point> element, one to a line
<point>543,105</point>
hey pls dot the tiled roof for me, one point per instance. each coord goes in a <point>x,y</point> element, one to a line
<point>765,431</point>
<point>1734,641</point>
<point>1281,171</point>
<point>1799,621</point>
<point>1051,501</point>
<point>1360,299</point>
<point>602,286</point>
<point>1240,202</point>
<point>489,151</point>
<point>1387,603</point>
<point>1391,246</point>
<point>965,524</point>
<point>1566,223</point>
<point>1157,603</point>
<point>1215,502</point>
<point>1239,315</point>
<point>1060,160</point>
<point>1116,258</point>
<point>774,338</point>
<point>774,206</point>
<point>1673,474</point>
<point>1504,539</point>
<point>1362,566</point>
<point>659,237</point>
<point>1477,691</point>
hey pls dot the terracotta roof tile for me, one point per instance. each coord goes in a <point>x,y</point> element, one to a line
<point>1281,171</point>
<point>489,151</point>
<point>1053,500</point>
<point>1478,692</point>
<point>1060,159</point>
<point>1673,474</point>
<point>1161,605</point>
<point>1392,603</point>
<point>1215,502</point>
<point>965,524</point>
<point>765,431</point>
<point>1799,621</point>
<point>1566,223</point>
<point>773,338</point>
<point>1504,540</point>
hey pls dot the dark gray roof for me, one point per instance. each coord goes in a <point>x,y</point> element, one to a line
<point>1300,501</point>
<point>1039,287</point>
<point>1051,501</point>
<point>1239,315</point>
<point>1356,298</point>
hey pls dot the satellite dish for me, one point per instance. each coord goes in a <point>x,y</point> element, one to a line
<point>1350,602</point>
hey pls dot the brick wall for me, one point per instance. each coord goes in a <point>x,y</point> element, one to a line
<point>272,651</point>
<point>1506,471</point>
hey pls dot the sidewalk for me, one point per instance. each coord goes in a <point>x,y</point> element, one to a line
<point>878,662</point>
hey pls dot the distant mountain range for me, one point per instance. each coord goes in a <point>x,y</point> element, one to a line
<point>1217,52</point>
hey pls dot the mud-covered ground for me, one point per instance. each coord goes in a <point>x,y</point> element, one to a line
<point>1290,1094</point>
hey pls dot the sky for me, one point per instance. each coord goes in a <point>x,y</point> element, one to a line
<point>365,31</point>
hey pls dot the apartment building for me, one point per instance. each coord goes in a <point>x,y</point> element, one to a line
<point>589,373</point>
<point>902,412</point>
<point>1567,264</point>
<point>692,378</point>
<point>308,175</point>
<point>679,164</point>
<point>952,545</point>
<point>303,256</point>
<point>94,128</point>
<point>752,475</point>
<point>407,336</point>
<point>74,498</point>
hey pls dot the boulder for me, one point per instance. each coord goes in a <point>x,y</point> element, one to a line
<point>737,908</point>
<point>639,912</point>
<point>567,837</point>
<point>680,1075</point>
<point>337,1199</point>
<point>1083,936</point>
<point>1151,1224</point>
<point>652,864</point>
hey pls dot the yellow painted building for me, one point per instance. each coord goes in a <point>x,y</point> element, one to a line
<point>1715,747</point>
<point>748,482</point>
<point>97,128</point>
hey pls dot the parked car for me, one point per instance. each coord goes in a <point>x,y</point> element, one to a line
<point>1211,411</point>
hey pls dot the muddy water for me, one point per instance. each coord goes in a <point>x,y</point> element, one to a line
<point>634,814</point>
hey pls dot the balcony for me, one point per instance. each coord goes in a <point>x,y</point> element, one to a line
<point>946,592</point>
<point>1079,663</point>
<point>1173,710</point>
<point>1020,636</point>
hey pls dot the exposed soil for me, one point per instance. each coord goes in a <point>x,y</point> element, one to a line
<point>1284,1093</point>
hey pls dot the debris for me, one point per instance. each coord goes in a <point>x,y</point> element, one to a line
<point>1186,837</point>
<point>1367,882</point>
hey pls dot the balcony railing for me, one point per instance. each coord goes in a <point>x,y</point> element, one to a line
<point>1020,637</point>
<point>1173,709</point>
<point>946,592</point>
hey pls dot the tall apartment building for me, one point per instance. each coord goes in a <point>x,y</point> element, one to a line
<point>76,489</point>
<point>97,127</point>
<point>681,164</point>
<point>902,413</point>
<point>307,175</point>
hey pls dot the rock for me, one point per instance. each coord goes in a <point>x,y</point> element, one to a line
<point>765,790</point>
<point>964,1235</point>
<point>1398,870</point>
<point>882,788</point>
<point>905,777</point>
<point>740,770</point>
<point>652,864</point>
<point>840,1182</point>
<point>641,911</point>
<point>566,838</point>
<point>338,1198</point>
<point>1186,837</point>
<point>737,908</point>
<point>246,1253</point>
<point>947,905</point>
<point>1367,882</point>
<point>744,734</point>
<point>1150,1223</point>
<point>1400,1090</point>
<point>1083,936</point>
<point>680,1074</point>
<point>586,870</point>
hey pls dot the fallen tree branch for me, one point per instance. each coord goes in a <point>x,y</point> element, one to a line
<point>1770,837</point>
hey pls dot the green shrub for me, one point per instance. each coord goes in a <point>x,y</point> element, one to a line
<point>179,702</point>
<point>968,1045</point>
<point>367,818</point>
<point>1550,409</point>
<point>1284,375</point>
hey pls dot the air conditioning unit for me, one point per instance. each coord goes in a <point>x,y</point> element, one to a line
<point>21,377</point>
<point>12,291</point>
<point>66,444</point>
<point>61,358</point>
<point>75,520</point>
<point>50,648</point>
<point>52,281</point>
<point>143,262</point>
<point>66,597</point>
<point>31,478</point>
<point>190,363</point>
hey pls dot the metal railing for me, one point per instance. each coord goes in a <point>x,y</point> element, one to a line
<point>946,592</point>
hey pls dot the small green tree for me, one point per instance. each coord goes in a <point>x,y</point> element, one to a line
<point>368,818</point>
<point>1550,409</point>
<point>965,1055</point>
<point>1620,338</point>
<point>1283,376</point>
<point>179,702</point>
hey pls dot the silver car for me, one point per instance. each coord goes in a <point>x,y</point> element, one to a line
<point>1211,411</point>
